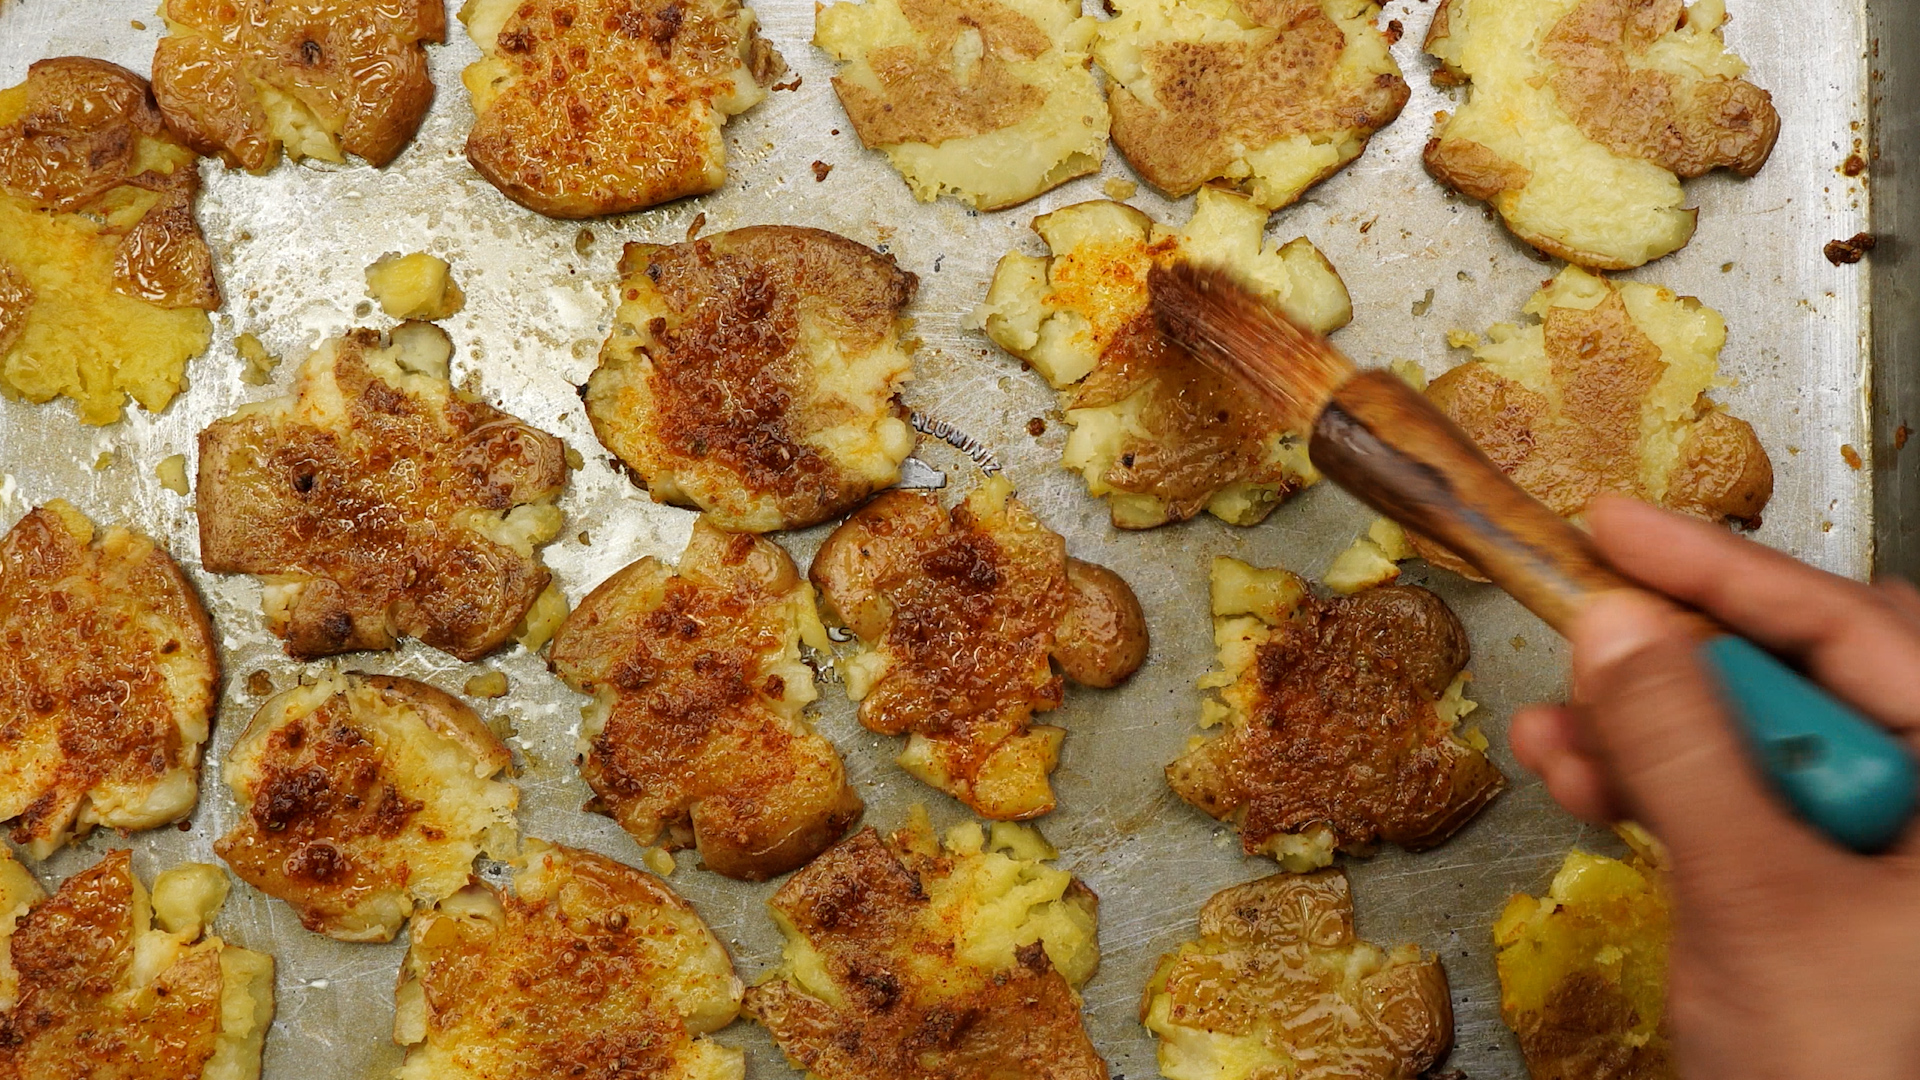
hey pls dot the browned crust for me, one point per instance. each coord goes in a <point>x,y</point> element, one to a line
<point>359,65</point>
<point>1605,367</point>
<point>859,906</point>
<point>1583,1031</point>
<point>326,826</point>
<point>1212,97</point>
<point>573,137</point>
<point>1263,953</point>
<point>567,985</point>
<point>16,297</point>
<point>73,953</point>
<point>692,745</point>
<point>921,101</point>
<point>76,145</point>
<point>1343,731</point>
<point>364,515</point>
<point>81,679</point>
<point>1472,168</point>
<point>730,388</point>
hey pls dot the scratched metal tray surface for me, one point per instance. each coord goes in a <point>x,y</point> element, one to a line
<point>290,248</point>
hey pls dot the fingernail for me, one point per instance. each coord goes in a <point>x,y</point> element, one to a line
<point>1616,625</point>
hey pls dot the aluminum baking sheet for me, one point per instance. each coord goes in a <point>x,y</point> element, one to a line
<point>290,248</point>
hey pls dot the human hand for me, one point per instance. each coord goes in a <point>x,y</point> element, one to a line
<point>1792,958</point>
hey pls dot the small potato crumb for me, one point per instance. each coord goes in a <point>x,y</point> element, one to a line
<point>1119,190</point>
<point>172,472</point>
<point>260,684</point>
<point>103,462</point>
<point>259,362</point>
<point>488,684</point>
<point>659,860</point>
<point>1851,456</point>
<point>416,286</point>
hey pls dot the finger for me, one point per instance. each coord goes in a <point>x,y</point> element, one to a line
<point>1552,742</point>
<point>1539,735</point>
<point>1579,784</point>
<point>1848,636</point>
<point>1666,741</point>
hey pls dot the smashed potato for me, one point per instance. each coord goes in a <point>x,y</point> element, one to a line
<point>380,502</point>
<point>989,101</point>
<point>246,79</point>
<point>1270,96</point>
<point>586,968</point>
<point>105,278</point>
<point>1155,431</point>
<point>755,374</point>
<point>91,982</point>
<point>1278,986</point>
<point>961,616</point>
<point>365,796</point>
<point>1583,970</point>
<point>909,959</point>
<point>589,107</point>
<point>107,681</point>
<point>1606,393</point>
<point>1341,720</point>
<point>1584,115</point>
<point>698,726</point>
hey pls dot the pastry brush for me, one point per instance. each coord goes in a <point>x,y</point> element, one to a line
<point>1386,443</point>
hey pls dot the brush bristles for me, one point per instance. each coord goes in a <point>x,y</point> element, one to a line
<point>1248,339</point>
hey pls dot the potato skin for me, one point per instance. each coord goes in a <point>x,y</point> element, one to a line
<point>1101,639</point>
<point>357,67</point>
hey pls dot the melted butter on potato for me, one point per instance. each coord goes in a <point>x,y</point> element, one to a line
<point>82,610</point>
<point>105,278</point>
<point>364,797</point>
<point>249,79</point>
<point>88,968</point>
<point>1341,720</point>
<point>989,101</point>
<point>1278,986</point>
<point>1583,968</point>
<point>1271,96</point>
<point>698,727</point>
<point>961,617</point>
<point>1155,432</point>
<point>590,107</point>
<point>1582,117</point>
<point>1604,391</point>
<point>585,967</point>
<point>888,939</point>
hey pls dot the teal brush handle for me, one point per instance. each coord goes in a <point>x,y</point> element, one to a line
<point>1841,771</point>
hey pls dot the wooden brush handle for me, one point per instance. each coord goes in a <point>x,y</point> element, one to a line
<point>1387,444</point>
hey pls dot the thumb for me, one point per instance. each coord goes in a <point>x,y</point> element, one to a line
<point>1674,752</point>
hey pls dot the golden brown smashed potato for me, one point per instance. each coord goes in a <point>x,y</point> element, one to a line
<point>105,278</point>
<point>589,107</point>
<point>365,796</point>
<point>1278,986</point>
<point>245,79</point>
<point>108,677</point>
<point>1606,394</point>
<point>1155,432</point>
<point>1341,718</point>
<point>990,101</point>
<point>698,728</point>
<point>755,374</point>
<point>1583,970</point>
<point>92,983</point>
<point>960,616</point>
<point>1270,96</point>
<point>909,959</point>
<point>379,502</point>
<point>1583,116</point>
<point>586,968</point>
